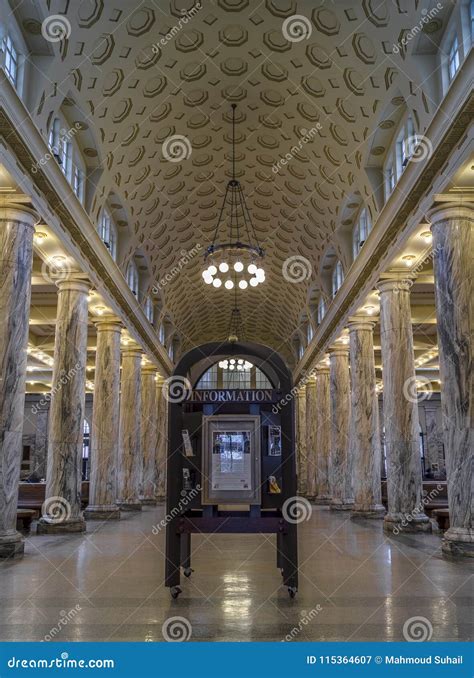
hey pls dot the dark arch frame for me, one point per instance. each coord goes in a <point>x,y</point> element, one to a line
<point>287,557</point>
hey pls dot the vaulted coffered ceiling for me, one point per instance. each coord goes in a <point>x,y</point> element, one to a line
<point>134,74</point>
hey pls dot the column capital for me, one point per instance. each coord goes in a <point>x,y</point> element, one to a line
<point>300,389</point>
<point>21,213</point>
<point>109,323</point>
<point>75,281</point>
<point>131,350</point>
<point>149,369</point>
<point>322,369</point>
<point>160,380</point>
<point>451,210</point>
<point>338,349</point>
<point>395,282</point>
<point>311,380</point>
<point>361,322</point>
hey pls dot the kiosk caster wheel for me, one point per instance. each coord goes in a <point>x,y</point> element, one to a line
<point>188,571</point>
<point>175,591</point>
<point>292,591</point>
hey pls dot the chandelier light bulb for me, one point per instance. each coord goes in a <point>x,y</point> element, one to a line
<point>228,284</point>
<point>238,266</point>
<point>223,267</point>
<point>239,367</point>
<point>240,361</point>
<point>260,274</point>
<point>212,270</point>
<point>253,282</point>
<point>231,367</point>
<point>217,282</point>
<point>252,269</point>
<point>232,361</point>
<point>243,284</point>
<point>207,277</point>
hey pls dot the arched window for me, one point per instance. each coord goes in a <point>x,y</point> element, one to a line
<point>453,58</point>
<point>11,60</point>
<point>66,151</point>
<point>399,154</point>
<point>108,233</point>
<point>132,277</point>
<point>148,309</point>
<point>321,309</point>
<point>361,232</point>
<point>337,278</point>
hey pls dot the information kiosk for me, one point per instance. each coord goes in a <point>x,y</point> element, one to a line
<point>231,460</point>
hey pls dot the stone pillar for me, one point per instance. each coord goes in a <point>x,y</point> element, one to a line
<point>340,462</point>
<point>62,510</point>
<point>364,432</point>
<point>311,438</point>
<point>434,437</point>
<point>130,459</point>
<point>149,435</point>
<point>400,408</point>
<point>453,247</point>
<point>301,464</point>
<point>105,422</point>
<point>162,441</point>
<point>41,439</point>
<point>16,256</point>
<point>323,435</point>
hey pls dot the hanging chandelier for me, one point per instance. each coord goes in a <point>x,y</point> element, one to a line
<point>236,261</point>
<point>235,364</point>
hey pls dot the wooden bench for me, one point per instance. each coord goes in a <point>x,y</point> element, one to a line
<point>441,515</point>
<point>32,495</point>
<point>24,518</point>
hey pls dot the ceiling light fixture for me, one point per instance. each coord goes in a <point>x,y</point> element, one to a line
<point>408,258</point>
<point>239,256</point>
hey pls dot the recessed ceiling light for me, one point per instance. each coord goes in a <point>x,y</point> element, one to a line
<point>40,235</point>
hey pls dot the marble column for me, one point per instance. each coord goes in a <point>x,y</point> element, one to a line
<point>400,410</point>
<point>311,437</point>
<point>340,467</point>
<point>16,257</point>
<point>453,247</point>
<point>149,435</point>
<point>105,422</point>
<point>301,457</point>
<point>41,439</point>
<point>433,438</point>
<point>162,442</point>
<point>323,435</point>
<point>364,432</point>
<point>62,510</point>
<point>130,463</point>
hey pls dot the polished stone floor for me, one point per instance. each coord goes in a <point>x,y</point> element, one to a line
<point>110,585</point>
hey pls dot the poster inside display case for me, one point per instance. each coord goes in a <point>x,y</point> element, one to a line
<point>231,459</point>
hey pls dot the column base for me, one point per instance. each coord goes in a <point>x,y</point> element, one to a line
<point>458,542</point>
<point>339,505</point>
<point>148,502</point>
<point>104,512</point>
<point>323,500</point>
<point>129,506</point>
<point>66,527</point>
<point>399,523</point>
<point>377,511</point>
<point>12,545</point>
